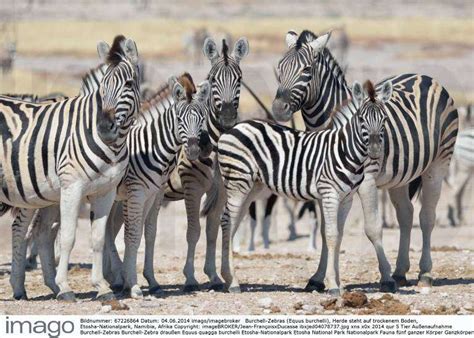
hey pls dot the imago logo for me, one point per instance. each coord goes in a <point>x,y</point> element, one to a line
<point>52,329</point>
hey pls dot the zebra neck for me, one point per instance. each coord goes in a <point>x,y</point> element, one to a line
<point>352,145</point>
<point>166,131</point>
<point>213,127</point>
<point>327,91</point>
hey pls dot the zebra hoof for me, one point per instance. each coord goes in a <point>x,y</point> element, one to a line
<point>400,280</point>
<point>425,282</point>
<point>136,292</point>
<point>217,287</point>
<point>234,289</point>
<point>105,297</point>
<point>315,286</point>
<point>155,290</point>
<point>191,288</point>
<point>334,292</point>
<point>388,286</point>
<point>20,296</point>
<point>68,297</point>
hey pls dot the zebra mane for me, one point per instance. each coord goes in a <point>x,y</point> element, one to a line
<point>225,52</point>
<point>305,37</point>
<point>335,111</point>
<point>116,51</point>
<point>370,89</point>
<point>187,82</point>
<point>163,91</point>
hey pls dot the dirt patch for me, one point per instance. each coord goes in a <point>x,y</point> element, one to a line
<point>445,248</point>
<point>354,299</point>
<point>386,305</point>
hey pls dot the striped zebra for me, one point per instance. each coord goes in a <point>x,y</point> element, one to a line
<point>64,152</point>
<point>324,165</point>
<point>190,180</point>
<point>420,136</point>
<point>461,171</point>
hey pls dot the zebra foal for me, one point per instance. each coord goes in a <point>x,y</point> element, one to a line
<point>328,165</point>
<point>65,152</point>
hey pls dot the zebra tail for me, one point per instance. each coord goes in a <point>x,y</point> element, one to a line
<point>414,188</point>
<point>211,199</point>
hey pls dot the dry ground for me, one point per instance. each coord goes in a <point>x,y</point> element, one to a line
<point>279,273</point>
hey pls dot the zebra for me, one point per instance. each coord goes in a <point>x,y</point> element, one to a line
<point>420,136</point>
<point>328,165</point>
<point>65,152</point>
<point>461,171</point>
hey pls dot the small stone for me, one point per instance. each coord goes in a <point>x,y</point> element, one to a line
<point>116,305</point>
<point>267,311</point>
<point>463,311</point>
<point>265,303</point>
<point>444,294</point>
<point>212,291</point>
<point>298,306</point>
<point>425,291</point>
<point>329,312</point>
<point>415,312</point>
<point>105,309</point>
<point>329,304</point>
<point>300,312</point>
<point>310,308</point>
<point>275,309</point>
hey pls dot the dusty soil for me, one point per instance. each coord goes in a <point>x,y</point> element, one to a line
<point>279,274</point>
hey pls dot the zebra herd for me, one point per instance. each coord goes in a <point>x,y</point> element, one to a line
<point>126,157</point>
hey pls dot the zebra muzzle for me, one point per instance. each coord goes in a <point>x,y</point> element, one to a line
<point>107,128</point>
<point>192,149</point>
<point>281,110</point>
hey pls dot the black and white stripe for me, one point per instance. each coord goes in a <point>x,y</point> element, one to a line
<point>62,152</point>
<point>420,135</point>
<point>328,165</point>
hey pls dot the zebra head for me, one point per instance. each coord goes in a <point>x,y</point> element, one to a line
<point>225,77</point>
<point>119,88</point>
<point>372,114</point>
<point>191,112</point>
<point>296,73</point>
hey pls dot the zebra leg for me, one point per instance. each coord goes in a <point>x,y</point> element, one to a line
<point>270,203</point>
<point>431,190</point>
<point>193,203</point>
<point>344,209</point>
<point>291,213</point>
<point>100,210</point>
<point>45,235</point>
<point>153,207</point>
<point>373,229</point>
<point>404,210</point>
<point>238,201</point>
<point>112,263</point>
<point>459,196</point>
<point>31,261</point>
<point>331,210</point>
<point>212,230</point>
<point>133,215</point>
<point>69,208</point>
<point>316,282</point>
<point>253,224</point>
<point>314,228</point>
<point>19,246</point>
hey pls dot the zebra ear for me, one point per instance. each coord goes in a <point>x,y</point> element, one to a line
<point>210,50</point>
<point>131,51</point>
<point>103,49</point>
<point>178,92</point>
<point>386,92</point>
<point>203,92</point>
<point>241,49</point>
<point>291,38</point>
<point>320,42</point>
<point>357,93</point>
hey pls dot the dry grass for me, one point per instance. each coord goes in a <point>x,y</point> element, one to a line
<point>39,83</point>
<point>164,37</point>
